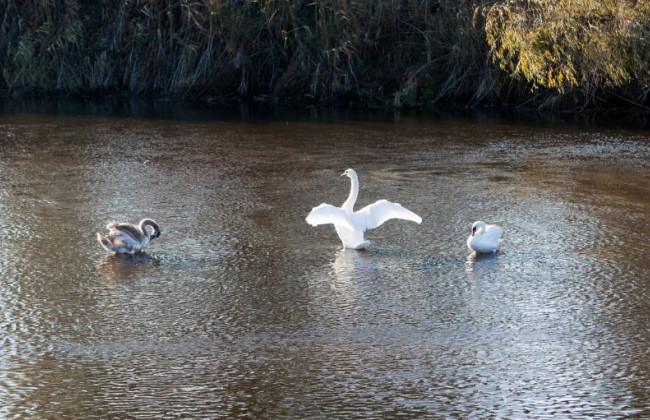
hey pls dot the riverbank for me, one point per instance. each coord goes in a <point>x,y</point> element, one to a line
<point>582,55</point>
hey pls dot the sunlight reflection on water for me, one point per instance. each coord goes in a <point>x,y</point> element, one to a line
<point>240,309</point>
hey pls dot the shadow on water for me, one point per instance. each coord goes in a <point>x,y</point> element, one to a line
<point>260,111</point>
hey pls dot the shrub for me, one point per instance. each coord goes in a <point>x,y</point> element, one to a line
<point>591,46</point>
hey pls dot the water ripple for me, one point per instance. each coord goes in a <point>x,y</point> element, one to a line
<point>242,310</point>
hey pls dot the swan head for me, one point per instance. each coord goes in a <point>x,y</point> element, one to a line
<point>477,227</point>
<point>350,173</point>
<point>154,226</point>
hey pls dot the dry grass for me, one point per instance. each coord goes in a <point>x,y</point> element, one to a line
<point>365,52</point>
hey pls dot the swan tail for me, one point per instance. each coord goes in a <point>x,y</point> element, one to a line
<point>105,242</point>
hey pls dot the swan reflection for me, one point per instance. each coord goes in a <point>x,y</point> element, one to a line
<point>477,262</point>
<point>120,266</point>
<point>352,265</point>
<point>349,224</point>
<point>349,273</point>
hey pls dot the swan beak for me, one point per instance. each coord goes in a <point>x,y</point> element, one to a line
<point>473,231</point>
<point>343,174</point>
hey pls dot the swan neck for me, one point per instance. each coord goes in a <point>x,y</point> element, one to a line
<point>148,222</point>
<point>354,193</point>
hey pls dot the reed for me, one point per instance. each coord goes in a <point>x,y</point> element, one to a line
<point>361,52</point>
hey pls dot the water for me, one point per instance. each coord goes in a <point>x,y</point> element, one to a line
<point>242,310</point>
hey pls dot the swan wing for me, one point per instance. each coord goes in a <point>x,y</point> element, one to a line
<point>119,244</point>
<point>492,233</point>
<point>128,241</point>
<point>374,215</point>
<point>125,230</point>
<point>327,213</point>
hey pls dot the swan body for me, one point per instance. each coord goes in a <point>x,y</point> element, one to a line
<point>484,238</point>
<point>127,238</point>
<point>351,225</point>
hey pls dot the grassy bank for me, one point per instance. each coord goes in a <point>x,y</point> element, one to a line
<point>366,52</point>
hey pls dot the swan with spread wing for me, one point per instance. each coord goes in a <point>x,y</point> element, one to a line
<point>351,225</point>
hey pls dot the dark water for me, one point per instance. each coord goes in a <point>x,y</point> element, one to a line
<point>242,310</point>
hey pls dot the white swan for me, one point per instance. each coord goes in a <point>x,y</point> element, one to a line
<point>349,224</point>
<point>484,238</point>
<point>127,238</point>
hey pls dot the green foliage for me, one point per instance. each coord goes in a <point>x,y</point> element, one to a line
<point>306,51</point>
<point>389,52</point>
<point>587,44</point>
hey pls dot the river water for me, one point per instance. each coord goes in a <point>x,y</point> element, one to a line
<point>240,309</point>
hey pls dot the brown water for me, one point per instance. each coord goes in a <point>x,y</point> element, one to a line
<point>242,310</point>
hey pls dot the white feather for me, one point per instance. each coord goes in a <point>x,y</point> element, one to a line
<point>351,225</point>
<point>329,214</point>
<point>484,238</point>
<point>374,215</point>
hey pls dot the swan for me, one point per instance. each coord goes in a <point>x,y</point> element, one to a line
<point>484,238</point>
<point>349,224</point>
<point>127,238</point>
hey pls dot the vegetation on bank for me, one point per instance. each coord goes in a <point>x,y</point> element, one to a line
<point>556,53</point>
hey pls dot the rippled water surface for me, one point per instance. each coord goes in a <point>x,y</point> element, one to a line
<point>242,310</point>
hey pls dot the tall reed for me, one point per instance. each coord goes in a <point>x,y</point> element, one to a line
<point>382,52</point>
